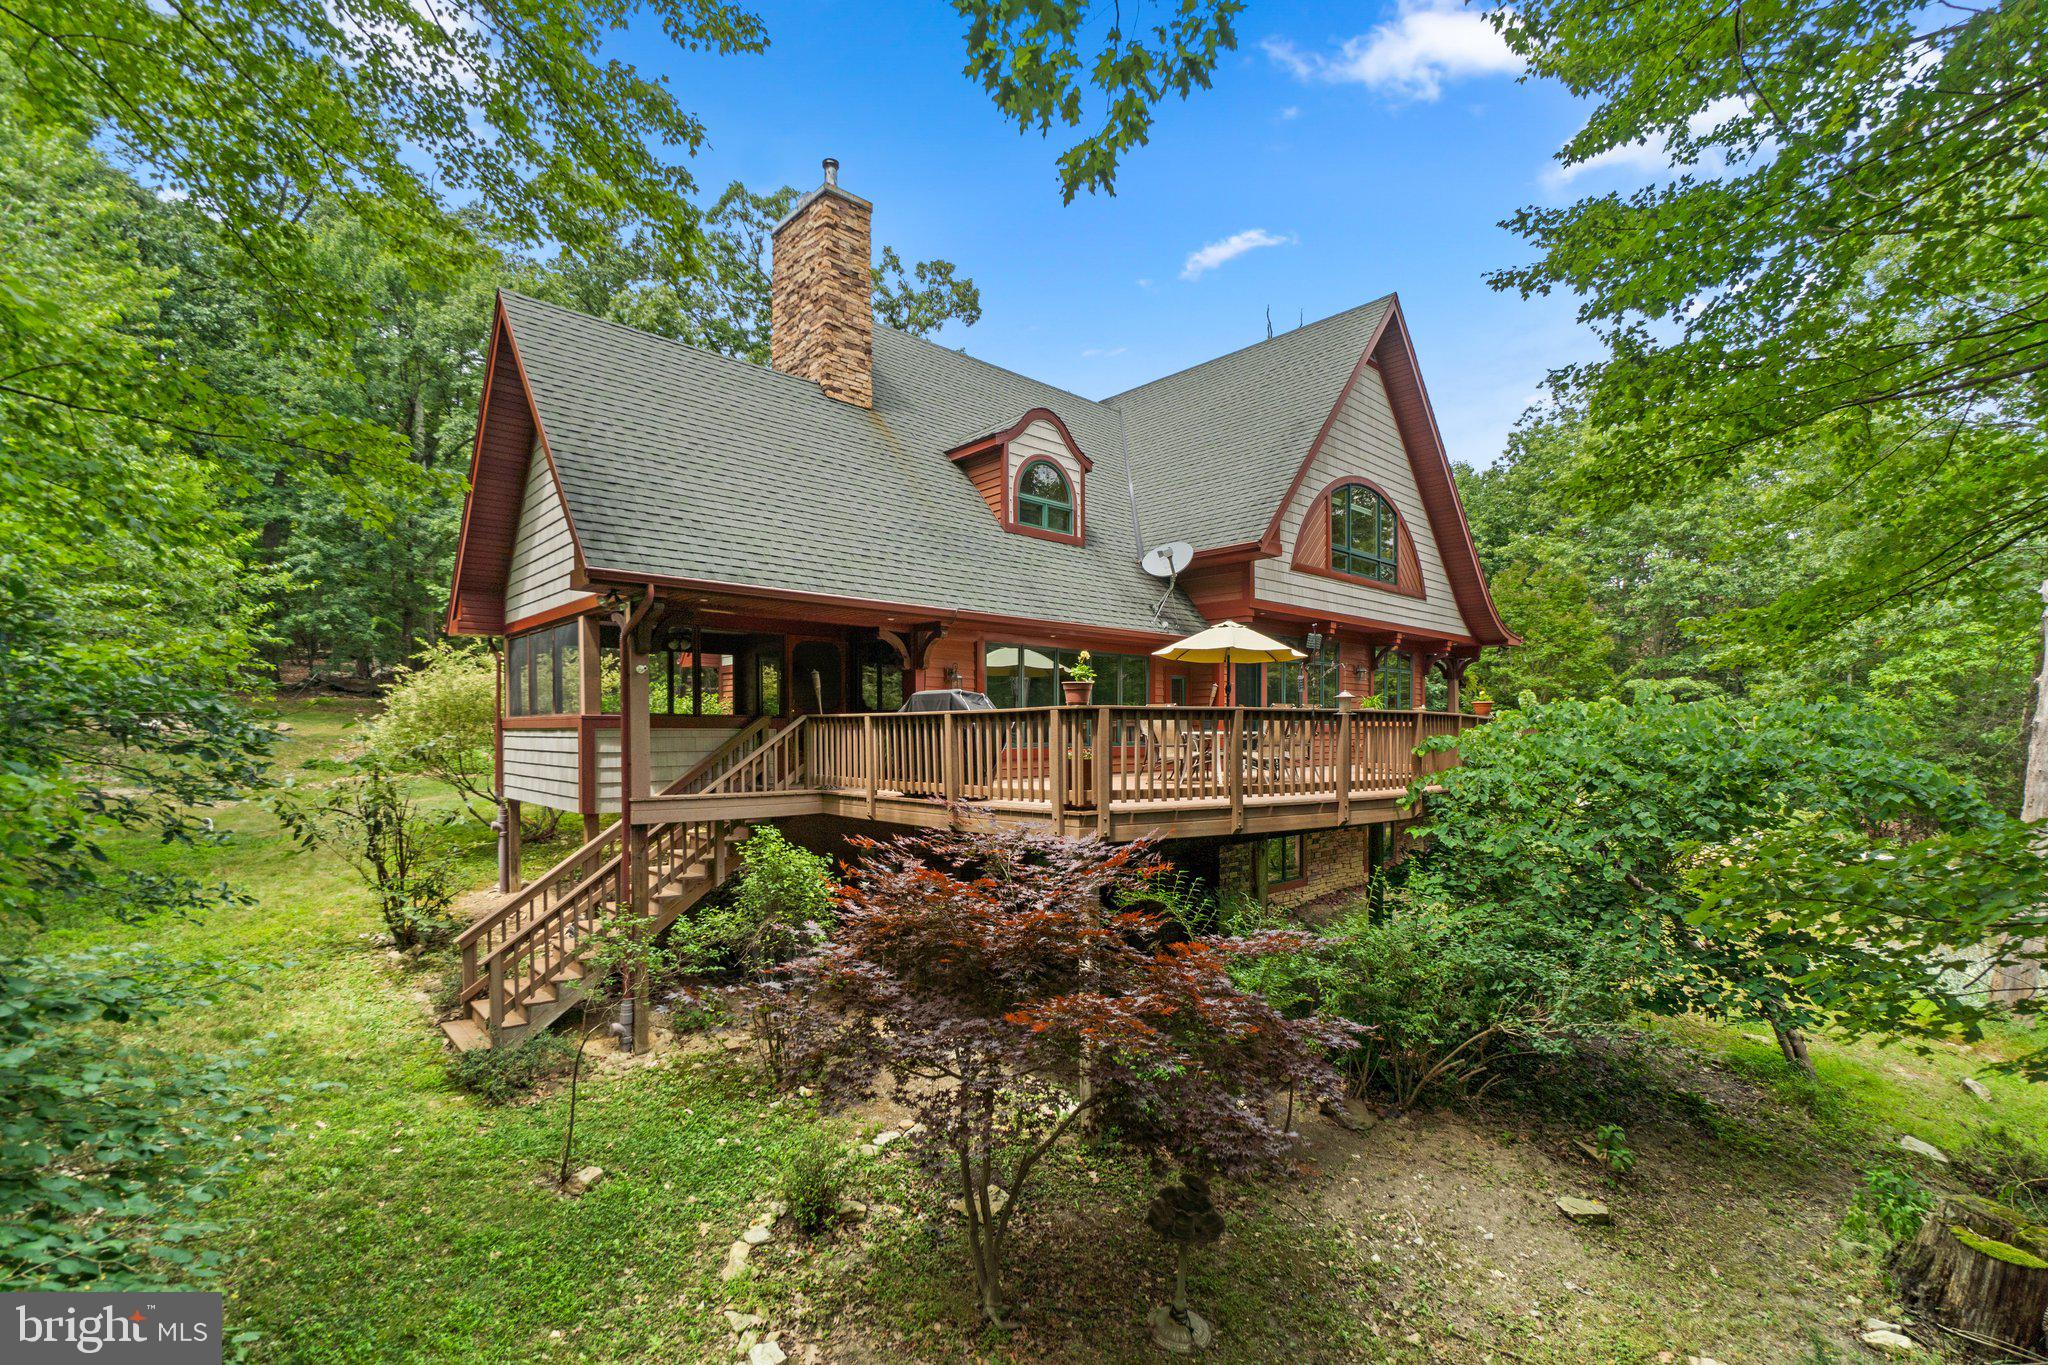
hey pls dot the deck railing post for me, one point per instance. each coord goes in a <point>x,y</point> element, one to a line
<point>1235,773</point>
<point>949,764</point>
<point>1415,759</point>
<point>1343,767</point>
<point>867,748</point>
<point>1105,766</point>
<point>1056,749</point>
<point>496,996</point>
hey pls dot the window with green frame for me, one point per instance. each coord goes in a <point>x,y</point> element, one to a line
<point>1024,675</point>
<point>1309,682</point>
<point>1364,534</point>
<point>1393,682</point>
<point>1282,859</point>
<point>1045,500</point>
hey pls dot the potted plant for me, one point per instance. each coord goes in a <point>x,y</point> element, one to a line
<point>1482,704</point>
<point>1080,681</point>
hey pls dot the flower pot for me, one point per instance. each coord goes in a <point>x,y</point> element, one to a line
<point>1482,708</point>
<point>1076,693</point>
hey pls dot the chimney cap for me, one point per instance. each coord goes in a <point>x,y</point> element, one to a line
<point>832,170</point>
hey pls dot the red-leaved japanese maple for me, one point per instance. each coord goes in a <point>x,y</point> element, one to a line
<point>989,982</point>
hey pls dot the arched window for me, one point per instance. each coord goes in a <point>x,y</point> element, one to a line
<point>1364,534</point>
<point>1045,500</point>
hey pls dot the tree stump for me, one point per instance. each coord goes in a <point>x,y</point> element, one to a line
<point>1980,1269</point>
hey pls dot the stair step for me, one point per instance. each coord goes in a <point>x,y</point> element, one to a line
<point>465,1035</point>
<point>482,1010</point>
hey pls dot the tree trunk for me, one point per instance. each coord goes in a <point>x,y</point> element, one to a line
<point>1980,1269</point>
<point>2021,980</point>
<point>1791,1042</point>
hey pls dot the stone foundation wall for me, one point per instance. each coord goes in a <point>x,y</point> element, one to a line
<point>1333,863</point>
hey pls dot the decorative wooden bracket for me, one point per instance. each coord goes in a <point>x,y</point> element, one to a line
<point>913,644</point>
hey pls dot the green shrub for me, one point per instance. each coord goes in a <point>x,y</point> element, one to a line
<point>1611,1142</point>
<point>812,1179</point>
<point>1891,1204</point>
<point>1445,995</point>
<point>782,900</point>
<point>2007,1164</point>
<point>500,1075</point>
<point>384,835</point>
<point>114,1153</point>
<point>439,719</point>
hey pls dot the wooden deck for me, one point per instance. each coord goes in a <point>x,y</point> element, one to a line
<point>1123,772</point>
<point>1120,771</point>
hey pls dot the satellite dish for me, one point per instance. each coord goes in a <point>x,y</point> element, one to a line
<point>1166,561</point>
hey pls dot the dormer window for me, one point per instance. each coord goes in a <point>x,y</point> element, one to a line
<point>1364,534</point>
<point>1045,500</point>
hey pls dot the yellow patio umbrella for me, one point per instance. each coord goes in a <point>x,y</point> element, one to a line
<point>1227,642</point>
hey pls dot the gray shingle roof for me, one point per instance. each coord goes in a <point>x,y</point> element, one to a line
<point>1214,447</point>
<point>681,463</point>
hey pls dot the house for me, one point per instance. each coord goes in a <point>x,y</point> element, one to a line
<point>716,582</point>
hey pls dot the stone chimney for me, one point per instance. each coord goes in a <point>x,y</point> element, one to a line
<point>822,317</point>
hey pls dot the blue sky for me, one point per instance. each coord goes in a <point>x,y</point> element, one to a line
<point>1343,152</point>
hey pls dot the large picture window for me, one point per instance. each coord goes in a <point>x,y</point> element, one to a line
<point>1308,682</point>
<point>1364,534</point>
<point>542,673</point>
<point>1024,675</point>
<point>1045,500</point>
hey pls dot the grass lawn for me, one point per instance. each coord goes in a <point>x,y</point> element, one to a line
<point>402,1219</point>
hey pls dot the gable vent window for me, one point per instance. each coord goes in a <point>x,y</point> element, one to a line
<point>1363,534</point>
<point>1045,500</point>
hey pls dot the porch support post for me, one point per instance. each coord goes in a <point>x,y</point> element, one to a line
<point>590,666</point>
<point>1418,680</point>
<point>1454,674</point>
<point>508,846</point>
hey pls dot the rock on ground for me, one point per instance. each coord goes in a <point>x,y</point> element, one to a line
<point>1926,1149</point>
<point>1585,1210</point>
<point>1890,1343</point>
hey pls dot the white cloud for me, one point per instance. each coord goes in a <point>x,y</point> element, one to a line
<point>1102,352</point>
<point>1411,56</point>
<point>1202,261</point>
<point>1643,159</point>
<point>1292,111</point>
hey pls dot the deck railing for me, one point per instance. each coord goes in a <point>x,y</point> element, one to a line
<point>1078,758</point>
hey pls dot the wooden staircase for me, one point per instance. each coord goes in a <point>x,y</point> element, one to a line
<point>522,963</point>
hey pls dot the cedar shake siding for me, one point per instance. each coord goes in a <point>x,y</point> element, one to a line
<point>543,552</point>
<point>1363,442</point>
<point>541,766</point>
<point>1042,440</point>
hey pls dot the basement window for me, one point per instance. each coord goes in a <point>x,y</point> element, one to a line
<point>1283,859</point>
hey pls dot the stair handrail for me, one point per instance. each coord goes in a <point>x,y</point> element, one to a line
<point>760,757</point>
<point>736,750</point>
